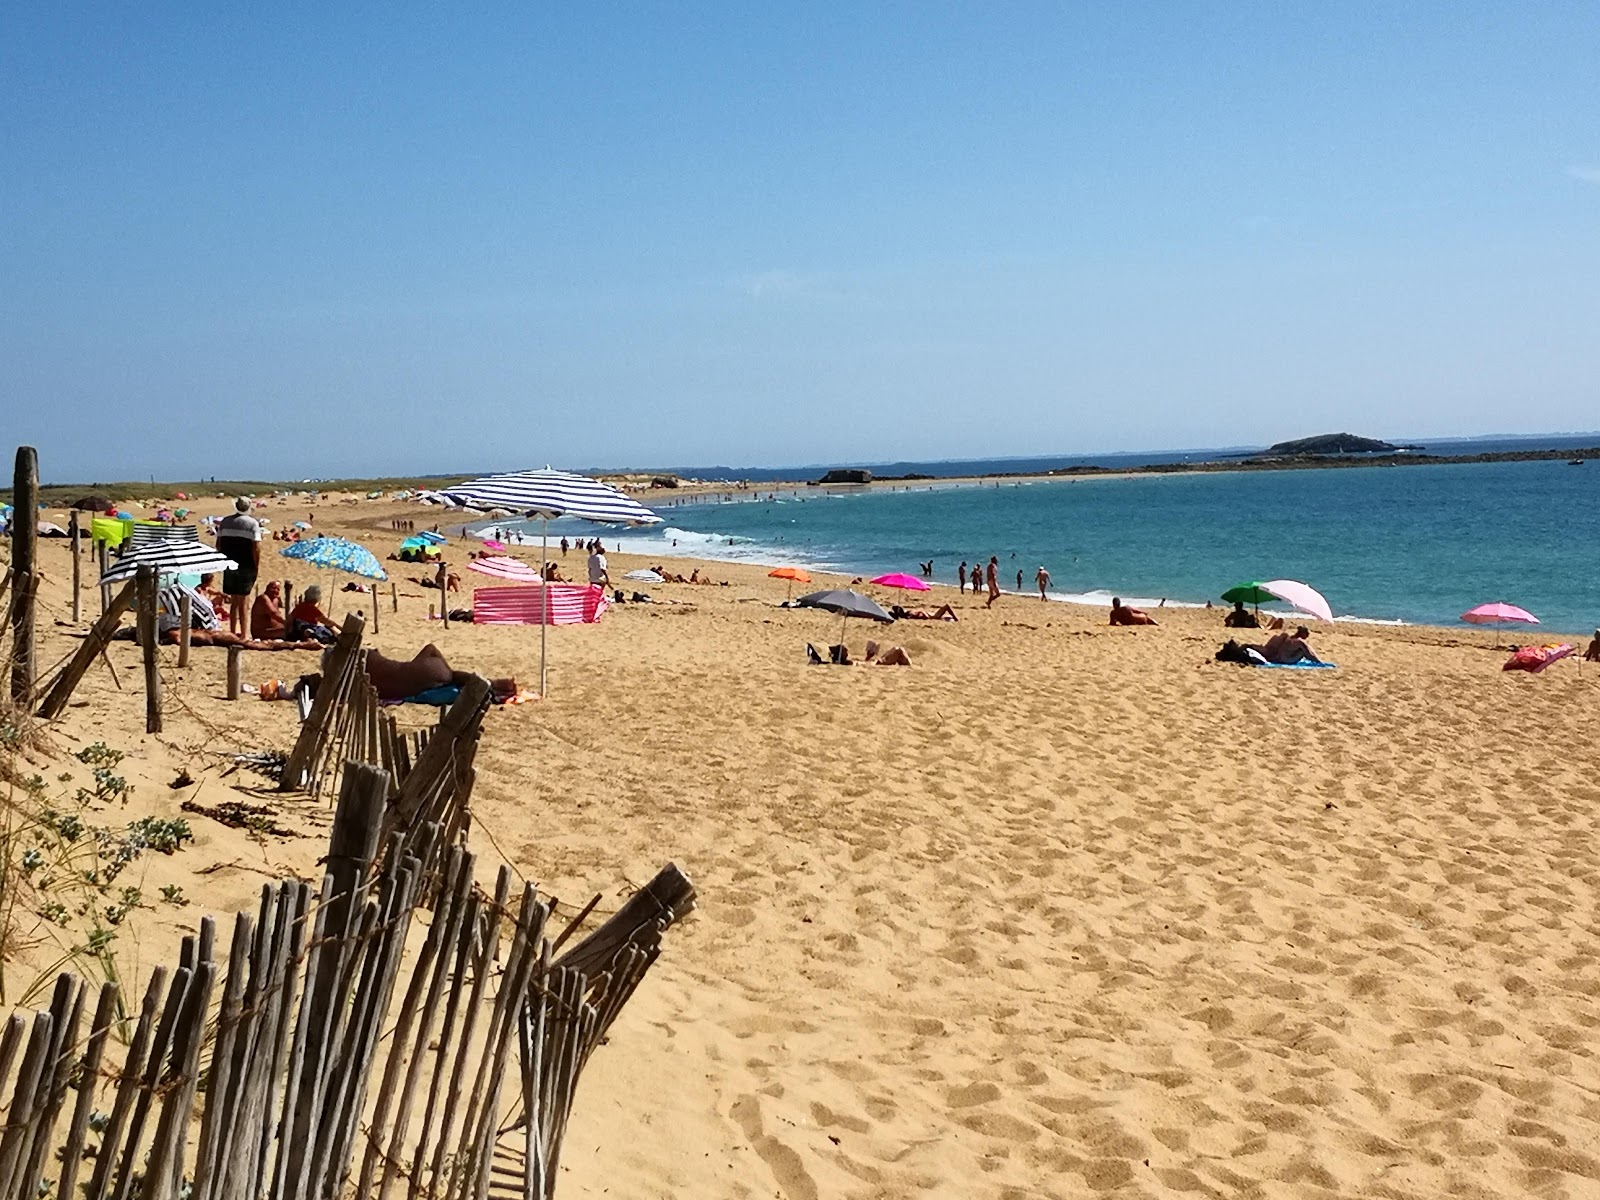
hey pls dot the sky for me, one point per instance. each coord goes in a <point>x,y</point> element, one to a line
<point>323,240</point>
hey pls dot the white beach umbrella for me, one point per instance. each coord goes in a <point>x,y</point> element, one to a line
<point>546,495</point>
<point>1300,596</point>
<point>169,548</point>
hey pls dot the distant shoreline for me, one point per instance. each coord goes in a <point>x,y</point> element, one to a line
<point>1088,471</point>
<point>58,495</point>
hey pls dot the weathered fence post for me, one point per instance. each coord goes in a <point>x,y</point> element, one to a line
<point>77,567</point>
<point>394,596</point>
<point>235,667</point>
<point>100,562</point>
<point>375,607</point>
<point>149,634</point>
<point>444,596</point>
<point>185,615</point>
<point>24,553</point>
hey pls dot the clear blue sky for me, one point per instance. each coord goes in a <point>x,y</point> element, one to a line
<point>323,239</point>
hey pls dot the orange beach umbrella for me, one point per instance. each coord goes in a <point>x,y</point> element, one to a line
<point>793,574</point>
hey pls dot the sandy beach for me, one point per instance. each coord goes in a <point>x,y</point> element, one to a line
<point>1060,909</point>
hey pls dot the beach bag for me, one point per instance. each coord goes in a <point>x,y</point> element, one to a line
<point>1233,652</point>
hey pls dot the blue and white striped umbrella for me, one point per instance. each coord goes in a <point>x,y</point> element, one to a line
<point>338,554</point>
<point>551,494</point>
<point>547,495</point>
<point>170,549</point>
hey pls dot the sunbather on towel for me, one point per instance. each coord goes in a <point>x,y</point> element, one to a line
<point>394,679</point>
<point>1287,648</point>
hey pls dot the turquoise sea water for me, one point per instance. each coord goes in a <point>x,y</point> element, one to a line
<point>1416,544</point>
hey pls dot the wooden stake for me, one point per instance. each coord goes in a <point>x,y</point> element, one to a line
<point>235,657</point>
<point>444,598</point>
<point>394,596</point>
<point>105,588</point>
<point>185,615</point>
<point>24,552</point>
<point>297,772</point>
<point>375,607</point>
<point>77,567</point>
<point>148,634</point>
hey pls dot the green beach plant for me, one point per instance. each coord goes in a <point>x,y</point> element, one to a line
<point>61,861</point>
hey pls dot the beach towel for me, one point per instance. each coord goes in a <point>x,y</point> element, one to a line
<point>1534,659</point>
<point>440,696</point>
<point>570,604</point>
<point>1300,666</point>
<point>109,530</point>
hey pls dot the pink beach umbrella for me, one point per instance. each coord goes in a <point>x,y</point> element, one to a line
<point>1497,614</point>
<point>502,567</point>
<point>1300,596</point>
<point>909,583</point>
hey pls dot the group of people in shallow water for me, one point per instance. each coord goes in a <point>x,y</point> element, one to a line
<point>986,576</point>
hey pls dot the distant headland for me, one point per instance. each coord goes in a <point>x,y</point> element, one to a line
<point>1336,443</point>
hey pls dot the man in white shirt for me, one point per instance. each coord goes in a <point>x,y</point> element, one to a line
<point>598,574</point>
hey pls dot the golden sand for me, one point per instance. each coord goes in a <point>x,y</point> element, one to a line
<point>1060,910</point>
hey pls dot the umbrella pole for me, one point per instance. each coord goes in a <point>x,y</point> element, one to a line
<point>544,601</point>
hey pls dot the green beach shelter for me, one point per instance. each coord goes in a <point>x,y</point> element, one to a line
<point>1248,593</point>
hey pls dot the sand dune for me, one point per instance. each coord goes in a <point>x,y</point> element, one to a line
<point>1062,909</point>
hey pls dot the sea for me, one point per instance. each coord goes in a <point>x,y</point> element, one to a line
<point>1418,544</point>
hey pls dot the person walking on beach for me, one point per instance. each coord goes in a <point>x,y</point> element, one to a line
<point>1042,578</point>
<point>239,538</point>
<point>565,546</point>
<point>1019,579</point>
<point>994,581</point>
<point>961,576</point>
<point>598,574</point>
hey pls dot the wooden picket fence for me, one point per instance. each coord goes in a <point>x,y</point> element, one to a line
<point>353,1041</point>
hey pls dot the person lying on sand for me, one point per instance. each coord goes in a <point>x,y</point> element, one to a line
<point>1592,654</point>
<point>1241,617</point>
<point>222,637</point>
<point>668,576</point>
<point>943,613</point>
<point>894,656</point>
<point>1289,648</point>
<point>394,679</point>
<point>1121,614</point>
<point>452,581</point>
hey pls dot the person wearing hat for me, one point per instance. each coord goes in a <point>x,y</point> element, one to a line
<point>239,538</point>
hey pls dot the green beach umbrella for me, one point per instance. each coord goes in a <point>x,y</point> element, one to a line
<point>1248,593</point>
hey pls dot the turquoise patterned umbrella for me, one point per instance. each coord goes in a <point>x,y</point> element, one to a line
<point>338,554</point>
